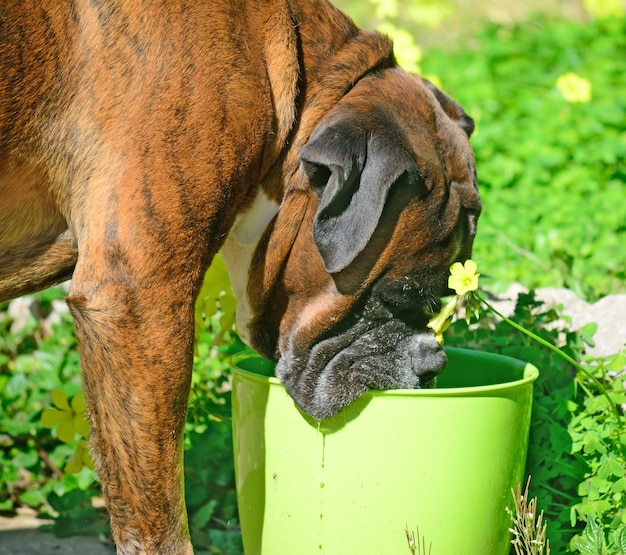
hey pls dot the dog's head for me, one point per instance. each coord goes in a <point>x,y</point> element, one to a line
<point>393,204</point>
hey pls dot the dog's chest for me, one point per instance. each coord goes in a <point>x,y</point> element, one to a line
<point>238,251</point>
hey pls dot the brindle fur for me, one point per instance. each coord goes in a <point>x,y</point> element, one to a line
<point>131,135</point>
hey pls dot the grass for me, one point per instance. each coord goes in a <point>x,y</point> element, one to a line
<point>417,545</point>
<point>529,528</point>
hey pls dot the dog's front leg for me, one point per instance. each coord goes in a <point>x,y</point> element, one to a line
<point>134,321</point>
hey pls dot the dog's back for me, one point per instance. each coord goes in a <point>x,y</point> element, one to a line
<point>94,93</point>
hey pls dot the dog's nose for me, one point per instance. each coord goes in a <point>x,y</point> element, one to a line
<point>427,357</point>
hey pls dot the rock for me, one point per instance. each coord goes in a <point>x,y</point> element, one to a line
<point>609,313</point>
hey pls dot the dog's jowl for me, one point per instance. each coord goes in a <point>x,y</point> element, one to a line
<point>139,138</point>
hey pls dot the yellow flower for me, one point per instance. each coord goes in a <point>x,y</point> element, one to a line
<point>574,88</point>
<point>70,418</point>
<point>604,9</point>
<point>463,277</point>
<point>441,321</point>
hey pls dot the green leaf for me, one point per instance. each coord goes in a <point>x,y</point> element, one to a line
<point>27,459</point>
<point>32,498</point>
<point>621,541</point>
<point>202,516</point>
<point>16,386</point>
<point>209,306</point>
<point>618,363</point>
<point>49,361</point>
<point>59,398</point>
<point>81,425</point>
<point>619,486</point>
<point>56,501</point>
<point>610,467</point>
<point>228,304</point>
<point>592,541</point>
<point>592,487</point>
<point>65,430</point>
<point>51,417</point>
<point>78,403</point>
<point>587,332</point>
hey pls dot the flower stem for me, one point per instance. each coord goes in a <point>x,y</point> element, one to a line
<point>558,351</point>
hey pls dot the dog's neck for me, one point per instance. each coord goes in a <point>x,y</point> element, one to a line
<point>313,75</point>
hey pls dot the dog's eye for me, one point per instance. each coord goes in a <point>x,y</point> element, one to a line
<point>413,183</point>
<point>412,305</point>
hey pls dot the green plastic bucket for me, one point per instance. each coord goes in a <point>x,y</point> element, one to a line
<point>442,460</point>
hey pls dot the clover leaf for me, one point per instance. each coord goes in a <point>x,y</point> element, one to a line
<point>68,418</point>
<point>81,457</point>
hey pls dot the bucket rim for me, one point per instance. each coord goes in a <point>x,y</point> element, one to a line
<point>530,375</point>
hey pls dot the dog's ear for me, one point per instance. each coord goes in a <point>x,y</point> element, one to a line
<point>451,108</point>
<point>352,171</point>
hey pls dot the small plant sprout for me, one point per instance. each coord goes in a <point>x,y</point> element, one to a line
<point>417,546</point>
<point>529,528</point>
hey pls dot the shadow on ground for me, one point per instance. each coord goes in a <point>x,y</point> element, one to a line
<point>19,535</point>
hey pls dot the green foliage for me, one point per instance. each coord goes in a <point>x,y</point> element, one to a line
<point>74,513</point>
<point>576,454</point>
<point>37,356</point>
<point>44,460</point>
<point>593,541</point>
<point>216,304</point>
<point>600,440</point>
<point>603,9</point>
<point>577,449</point>
<point>209,466</point>
<point>399,20</point>
<point>552,173</point>
<point>405,15</point>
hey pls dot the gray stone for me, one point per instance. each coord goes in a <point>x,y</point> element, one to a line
<point>609,313</point>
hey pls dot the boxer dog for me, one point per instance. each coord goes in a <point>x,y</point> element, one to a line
<point>139,138</point>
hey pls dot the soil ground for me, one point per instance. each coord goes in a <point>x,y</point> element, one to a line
<point>19,535</point>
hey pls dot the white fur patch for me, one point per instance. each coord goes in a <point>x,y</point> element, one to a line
<point>238,250</point>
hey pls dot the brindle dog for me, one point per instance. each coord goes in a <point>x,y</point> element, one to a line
<point>139,138</point>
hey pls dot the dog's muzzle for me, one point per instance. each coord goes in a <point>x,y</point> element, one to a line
<point>368,354</point>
